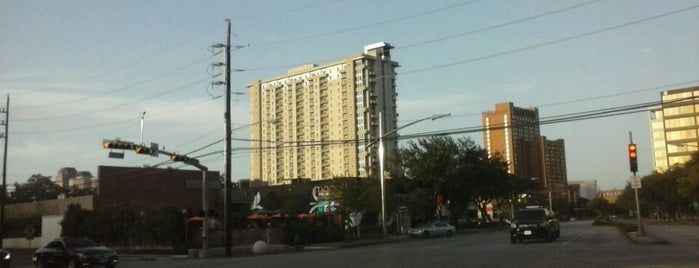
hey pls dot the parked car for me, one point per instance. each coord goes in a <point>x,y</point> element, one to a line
<point>469,223</point>
<point>5,258</point>
<point>534,222</point>
<point>74,252</point>
<point>432,229</point>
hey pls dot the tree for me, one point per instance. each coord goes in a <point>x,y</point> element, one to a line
<point>601,206</point>
<point>358,194</point>
<point>37,188</point>
<point>457,170</point>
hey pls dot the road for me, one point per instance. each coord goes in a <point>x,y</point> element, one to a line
<point>580,245</point>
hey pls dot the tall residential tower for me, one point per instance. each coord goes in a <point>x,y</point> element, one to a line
<point>319,122</point>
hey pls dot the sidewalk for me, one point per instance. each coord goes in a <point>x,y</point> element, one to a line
<point>247,250</point>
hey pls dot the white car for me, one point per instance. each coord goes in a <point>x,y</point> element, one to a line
<point>432,229</point>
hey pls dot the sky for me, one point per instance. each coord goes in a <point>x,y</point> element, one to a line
<point>78,72</point>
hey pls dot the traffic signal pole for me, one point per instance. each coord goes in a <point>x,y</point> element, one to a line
<point>633,165</point>
<point>154,151</point>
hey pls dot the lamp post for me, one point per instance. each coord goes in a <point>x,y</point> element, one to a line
<point>381,162</point>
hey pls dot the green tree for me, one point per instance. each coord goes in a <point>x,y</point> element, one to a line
<point>75,221</point>
<point>457,169</point>
<point>600,206</point>
<point>37,188</point>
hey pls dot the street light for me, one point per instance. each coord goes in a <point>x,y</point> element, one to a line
<point>381,160</point>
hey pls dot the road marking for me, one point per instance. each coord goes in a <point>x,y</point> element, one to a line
<point>576,236</point>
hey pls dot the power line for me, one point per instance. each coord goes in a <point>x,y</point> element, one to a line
<point>106,124</point>
<point>508,23</point>
<point>508,52</point>
<point>368,25</point>
<point>135,84</point>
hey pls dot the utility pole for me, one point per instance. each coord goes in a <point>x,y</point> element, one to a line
<point>227,116</point>
<point>3,195</point>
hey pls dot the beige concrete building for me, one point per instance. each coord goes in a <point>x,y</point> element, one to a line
<point>675,128</point>
<point>322,121</point>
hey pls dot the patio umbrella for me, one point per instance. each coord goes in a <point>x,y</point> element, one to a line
<point>195,218</point>
<point>257,217</point>
<point>306,216</point>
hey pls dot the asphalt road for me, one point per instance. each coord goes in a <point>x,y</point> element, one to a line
<point>580,245</point>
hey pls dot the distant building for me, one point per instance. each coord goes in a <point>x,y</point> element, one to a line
<point>513,133</point>
<point>553,159</point>
<point>611,196</point>
<point>588,188</point>
<point>675,128</point>
<point>321,122</point>
<point>69,177</point>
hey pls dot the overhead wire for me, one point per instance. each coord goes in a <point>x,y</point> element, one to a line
<point>572,37</point>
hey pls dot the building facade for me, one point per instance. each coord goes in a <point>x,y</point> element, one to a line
<point>588,188</point>
<point>553,159</point>
<point>320,122</point>
<point>513,133</point>
<point>675,128</point>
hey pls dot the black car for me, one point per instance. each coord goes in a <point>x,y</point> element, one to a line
<point>5,258</point>
<point>74,252</point>
<point>534,222</point>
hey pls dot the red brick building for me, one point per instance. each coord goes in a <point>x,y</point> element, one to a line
<point>155,187</point>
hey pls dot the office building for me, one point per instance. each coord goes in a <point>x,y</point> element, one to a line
<point>322,121</point>
<point>553,159</point>
<point>588,188</point>
<point>513,133</point>
<point>674,128</point>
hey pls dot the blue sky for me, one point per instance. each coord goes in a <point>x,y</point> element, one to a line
<point>78,72</point>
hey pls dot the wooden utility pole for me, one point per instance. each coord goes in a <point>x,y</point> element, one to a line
<point>3,195</point>
<point>228,186</point>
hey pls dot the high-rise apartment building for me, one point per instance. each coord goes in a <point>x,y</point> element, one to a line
<point>319,122</point>
<point>675,128</point>
<point>513,134</point>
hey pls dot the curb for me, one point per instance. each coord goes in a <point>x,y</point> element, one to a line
<point>645,240</point>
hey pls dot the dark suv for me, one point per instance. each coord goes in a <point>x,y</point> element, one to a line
<point>534,222</point>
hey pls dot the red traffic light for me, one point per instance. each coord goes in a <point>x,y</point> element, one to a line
<point>632,150</point>
<point>633,160</point>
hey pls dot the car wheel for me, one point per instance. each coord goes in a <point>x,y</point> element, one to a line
<point>513,240</point>
<point>72,264</point>
<point>425,234</point>
<point>450,233</point>
<point>111,266</point>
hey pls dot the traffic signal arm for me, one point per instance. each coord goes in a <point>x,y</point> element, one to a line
<point>117,144</point>
<point>187,160</point>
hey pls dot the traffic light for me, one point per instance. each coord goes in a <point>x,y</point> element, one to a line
<point>184,158</point>
<point>117,144</point>
<point>140,149</point>
<point>633,158</point>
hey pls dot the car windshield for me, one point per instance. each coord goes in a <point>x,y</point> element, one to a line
<point>80,243</point>
<point>529,215</point>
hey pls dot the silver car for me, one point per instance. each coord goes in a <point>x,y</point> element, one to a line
<point>432,229</point>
